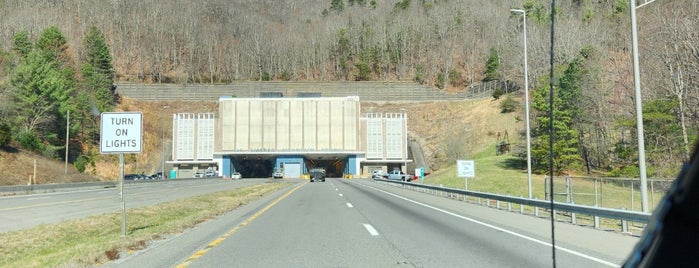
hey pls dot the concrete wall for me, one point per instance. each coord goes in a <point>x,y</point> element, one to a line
<point>288,124</point>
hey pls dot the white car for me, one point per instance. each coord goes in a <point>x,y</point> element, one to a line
<point>199,175</point>
<point>236,176</point>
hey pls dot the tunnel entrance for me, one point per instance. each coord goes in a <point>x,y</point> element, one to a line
<point>333,168</point>
<point>254,167</point>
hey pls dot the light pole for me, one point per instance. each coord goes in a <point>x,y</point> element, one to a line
<point>526,101</point>
<point>405,129</point>
<point>639,108</point>
<point>162,167</point>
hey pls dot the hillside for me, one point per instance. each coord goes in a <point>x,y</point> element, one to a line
<point>430,123</point>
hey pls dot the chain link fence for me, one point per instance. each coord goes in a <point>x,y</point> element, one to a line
<point>616,193</point>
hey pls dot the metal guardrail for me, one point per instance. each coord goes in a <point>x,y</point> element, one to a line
<point>64,186</point>
<point>557,206</point>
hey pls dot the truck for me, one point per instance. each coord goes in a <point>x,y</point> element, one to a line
<point>398,175</point>
<point>317,174</point>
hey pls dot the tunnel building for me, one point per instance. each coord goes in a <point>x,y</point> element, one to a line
<point>254,136</point>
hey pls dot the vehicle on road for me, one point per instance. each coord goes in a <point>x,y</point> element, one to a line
<point>199,175</point>
<point>210,173</point>
<point>156,176</point>
<point>398,175</point>
<point>278,173</point>
<point>377,174</point>
<point>236,176</point>
<point>317,174</point>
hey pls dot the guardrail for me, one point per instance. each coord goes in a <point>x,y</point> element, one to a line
<point>596,212</point>
<point>34,188</point>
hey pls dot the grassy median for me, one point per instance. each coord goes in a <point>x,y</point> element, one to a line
<point>97,239</point>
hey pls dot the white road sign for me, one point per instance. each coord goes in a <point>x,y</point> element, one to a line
<point>121,132</point>
<point>465,169</point>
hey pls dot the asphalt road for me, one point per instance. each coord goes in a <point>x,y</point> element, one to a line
<point>26,211</point>
<point>359,223</point>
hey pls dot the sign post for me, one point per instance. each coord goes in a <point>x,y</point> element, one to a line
<point>465,169</point>
<point>121,133</point>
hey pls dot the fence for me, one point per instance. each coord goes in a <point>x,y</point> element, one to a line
<point>620,193</point>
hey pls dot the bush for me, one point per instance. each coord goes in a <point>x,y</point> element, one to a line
<point>497,93</point>
<point>29,140</point>
<point>5,135</point>
<point>508,105</point>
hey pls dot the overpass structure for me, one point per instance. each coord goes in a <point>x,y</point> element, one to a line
<point>254,136</point>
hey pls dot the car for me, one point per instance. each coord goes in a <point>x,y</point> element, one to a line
<point>210,173</point>
<point>317,174</point>
<point>132,177</point>
<point>377,174</point>
<point>199,175</point>
<point>156,176</point>
<point>236,176</point>
<point>398,175</point>
<point>278,173</point>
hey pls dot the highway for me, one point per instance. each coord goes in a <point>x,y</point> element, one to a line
<point>26,211</point>
<point>360,223</point>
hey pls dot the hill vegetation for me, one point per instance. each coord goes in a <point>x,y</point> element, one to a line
<point>60,58</point>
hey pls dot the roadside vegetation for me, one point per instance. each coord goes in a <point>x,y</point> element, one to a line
<point>97,239</point>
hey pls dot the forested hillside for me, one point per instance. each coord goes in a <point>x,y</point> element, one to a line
<point>445,44</point>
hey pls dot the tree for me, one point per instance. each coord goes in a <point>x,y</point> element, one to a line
<point>43,84</point>
<point>491,66</point>
<point>97,71</point>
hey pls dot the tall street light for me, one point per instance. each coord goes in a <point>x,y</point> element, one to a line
<point>639,108</point>
<point>526,101</point>
<point>162,167</point>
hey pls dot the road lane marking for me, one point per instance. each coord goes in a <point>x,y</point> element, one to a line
<point>349,205</point>
<point>570,251</point>
<point>214,243</point>
<point>38,198</point>
<point>370,229</point>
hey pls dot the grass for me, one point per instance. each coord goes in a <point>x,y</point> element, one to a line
<point>506,175</point>
<point>97,239</point>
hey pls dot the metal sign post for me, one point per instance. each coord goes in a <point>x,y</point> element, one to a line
<point>465,169</point>
<point>121,133</point>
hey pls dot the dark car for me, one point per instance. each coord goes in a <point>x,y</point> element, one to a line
<point>317,174</point>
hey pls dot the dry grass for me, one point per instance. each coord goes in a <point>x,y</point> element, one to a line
<point>97,239</point>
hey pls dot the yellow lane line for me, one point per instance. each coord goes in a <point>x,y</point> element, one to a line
<point>214,243</point>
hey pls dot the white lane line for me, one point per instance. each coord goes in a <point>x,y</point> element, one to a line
<point>370,229</point>
<point>349,205</point>
<point>497,228</point>
<point>340,194</point>
<point>38,198</point>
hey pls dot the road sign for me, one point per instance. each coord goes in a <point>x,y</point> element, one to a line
<point>121,132</point>
<point>465,169</point>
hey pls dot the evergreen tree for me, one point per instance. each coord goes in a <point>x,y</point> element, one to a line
<point>97,71</point>
<point>43,84</point>
<point>491,66</point>
<point>568,118</point>
<point>21,43</point>
<point>97,53</point>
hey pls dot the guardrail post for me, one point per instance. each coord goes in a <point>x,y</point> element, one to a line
<point>509,206</point>
<point>487,202</point>
<point>572,216</point>
<point>521,208</point>
<point>596,222</point>
<point>624,225</point>
<point>497,204</point>
<point>479,201</point>
<point>536,209</point>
